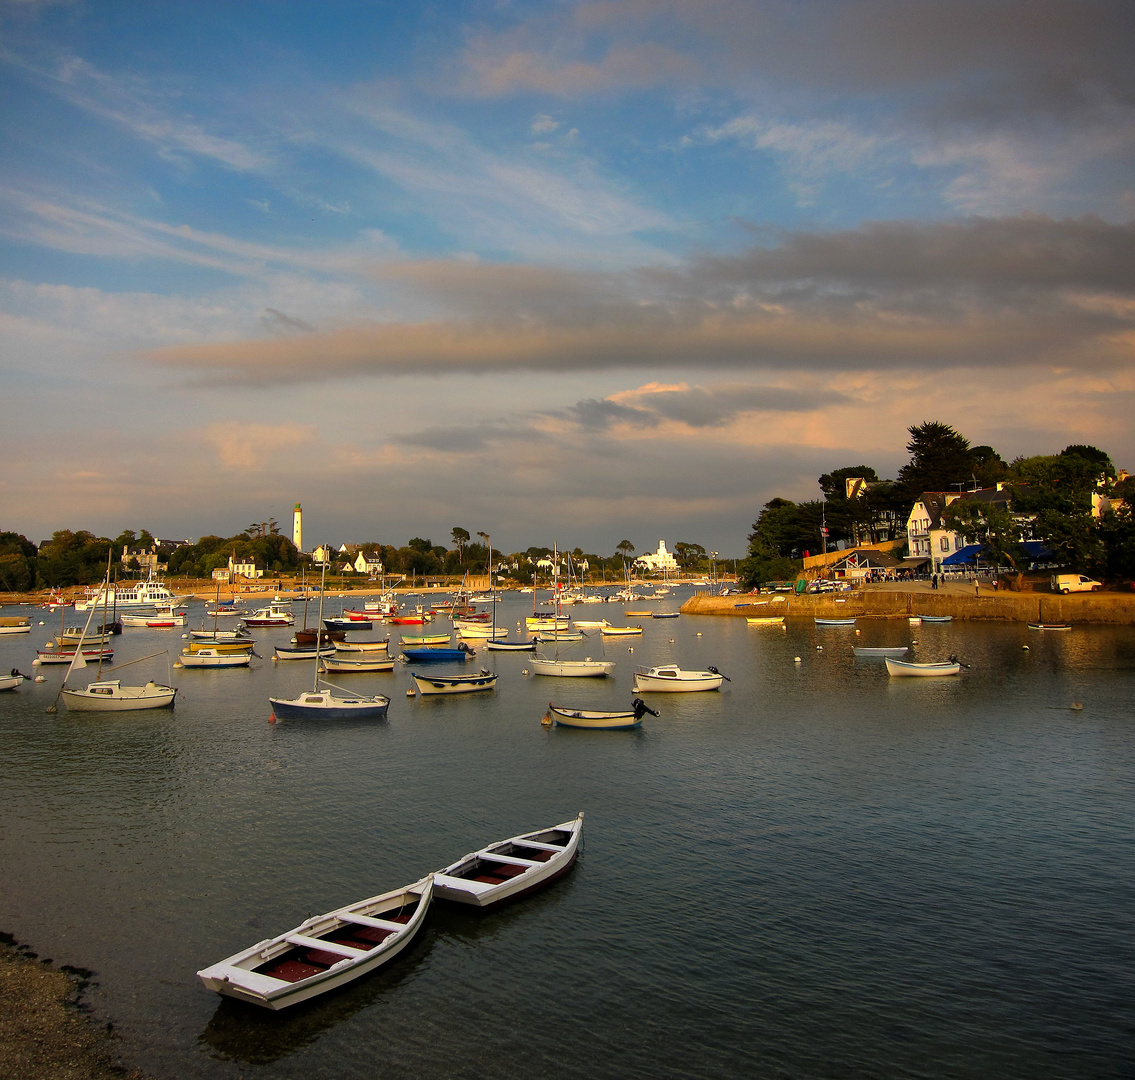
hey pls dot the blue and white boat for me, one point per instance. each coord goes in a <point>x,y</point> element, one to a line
<point>431,655</point>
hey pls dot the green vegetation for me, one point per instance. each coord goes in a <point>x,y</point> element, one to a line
<point>1052,501</point>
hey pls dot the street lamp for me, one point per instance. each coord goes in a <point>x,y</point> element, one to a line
<point>713,555</point>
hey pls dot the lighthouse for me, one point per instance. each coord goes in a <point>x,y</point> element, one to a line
<point>297,528</point>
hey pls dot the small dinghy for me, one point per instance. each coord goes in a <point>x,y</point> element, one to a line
<point>303,652</point>
<point>911,667</point>
<point>323,952</point>
<point>765,620</point>
<point>10,682</point>
<point>511,868</point>
<point>669,678</point>
<point>453,684</point>
<point>620,720</point>
<point>1050,626</point>
<point>374,645</point>
<point>209,658</point>
<point>665,614</point>
<point>500,645</point>
<point>880,650</point>
<point>348,623</point>
<point>834,622</point>
<point>358,662</point>
<point>572,669</point>
<point>620,631</point>
<point>936,618</point>
<point>425,639</point>
<point>435,654</point>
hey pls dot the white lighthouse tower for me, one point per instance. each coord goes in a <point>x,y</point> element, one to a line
<point>297,528</point>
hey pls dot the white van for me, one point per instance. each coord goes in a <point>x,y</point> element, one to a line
<point>1066,583</point>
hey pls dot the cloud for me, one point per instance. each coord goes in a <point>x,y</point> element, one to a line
<point>1010,292</point>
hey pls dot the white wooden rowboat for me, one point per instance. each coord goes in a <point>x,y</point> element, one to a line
<point>215,657</point>
<point>323,952</point>
<point>511,868</point>
<point>571,669</point>
<point>358,662</point>
<point>911,667</point>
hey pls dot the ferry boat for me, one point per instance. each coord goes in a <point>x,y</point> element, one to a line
<point>149,593</point>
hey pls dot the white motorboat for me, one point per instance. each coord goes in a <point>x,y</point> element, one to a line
<point>669,678</point>
<point>273,615</point>
<point>571,669</point>
<point>10,682</point>
<point>111,696</point>
<point>15,625</point>
<point>215,657</point>
<point>911,667</point>
<point>453,684</point>
<point>325,951</point>
<point>71,637</point>
<point>599,720</point>
<point>511,868</point>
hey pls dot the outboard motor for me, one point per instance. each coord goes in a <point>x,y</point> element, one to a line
<point>641,708</point>
<point>716,672</point>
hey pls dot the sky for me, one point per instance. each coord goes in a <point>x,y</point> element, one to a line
<point>571,271</point>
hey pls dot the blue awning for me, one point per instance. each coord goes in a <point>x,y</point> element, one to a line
<point>968,554</point>
<point>971,553</point>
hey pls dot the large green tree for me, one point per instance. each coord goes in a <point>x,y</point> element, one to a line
<point>940,460</point>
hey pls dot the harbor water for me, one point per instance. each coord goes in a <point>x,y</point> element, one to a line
<point>817,871</point>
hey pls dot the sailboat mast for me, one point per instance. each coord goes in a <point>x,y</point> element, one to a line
<point>319,627</point>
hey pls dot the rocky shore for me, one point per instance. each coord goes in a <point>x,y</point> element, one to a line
<point>44,1032</point>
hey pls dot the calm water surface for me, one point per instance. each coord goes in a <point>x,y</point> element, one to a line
<point>817,872</point>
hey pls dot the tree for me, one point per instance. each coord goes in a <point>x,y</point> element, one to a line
<point>988,466</point>
<point>940,459</point>
<point>626,548</point>
<point>993,525</point>
<point>460,539</point>
<point>688,554</point>
<point>834,485</point>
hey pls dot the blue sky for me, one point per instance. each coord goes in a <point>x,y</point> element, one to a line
<point>571,272</point>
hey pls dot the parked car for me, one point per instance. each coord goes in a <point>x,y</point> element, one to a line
<point>1069,583</point>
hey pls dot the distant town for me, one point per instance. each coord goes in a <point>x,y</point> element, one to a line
<point>954,508</point>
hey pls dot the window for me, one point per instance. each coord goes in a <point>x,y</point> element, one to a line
<point>945,543</point>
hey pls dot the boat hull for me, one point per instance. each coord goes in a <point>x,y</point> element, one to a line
<point>324,706</point>
<point>471,881</point>
<point>904,667</point>
<point>459,684</point>
<point>208,658</point>
<point>572,669</point>
<point>595,721</point>
<point>655,681</point>
<point>112,697</point>
<point>341,663</point>
<point>318,940</point>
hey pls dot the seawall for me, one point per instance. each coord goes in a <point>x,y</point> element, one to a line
<point>1105,608</point>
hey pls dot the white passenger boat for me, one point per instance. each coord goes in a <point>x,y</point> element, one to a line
<point>323,952</point>
<point>910,667</point>
<point>511,868</point>
<point>111,696</point>
<point>453,684</point>
<point>154,620</point>
<point>669,678</point>
<point>148,593</point>
<point>599,720</point>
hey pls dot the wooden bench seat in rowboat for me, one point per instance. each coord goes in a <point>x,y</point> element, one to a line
<point>392,925</point>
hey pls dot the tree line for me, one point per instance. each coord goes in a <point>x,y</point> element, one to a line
<point>80,557</point>
<point>1052,499</point>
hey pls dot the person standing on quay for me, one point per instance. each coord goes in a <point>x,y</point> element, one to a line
<point>976,587</point>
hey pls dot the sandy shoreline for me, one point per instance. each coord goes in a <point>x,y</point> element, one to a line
<point>45,1034</point>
